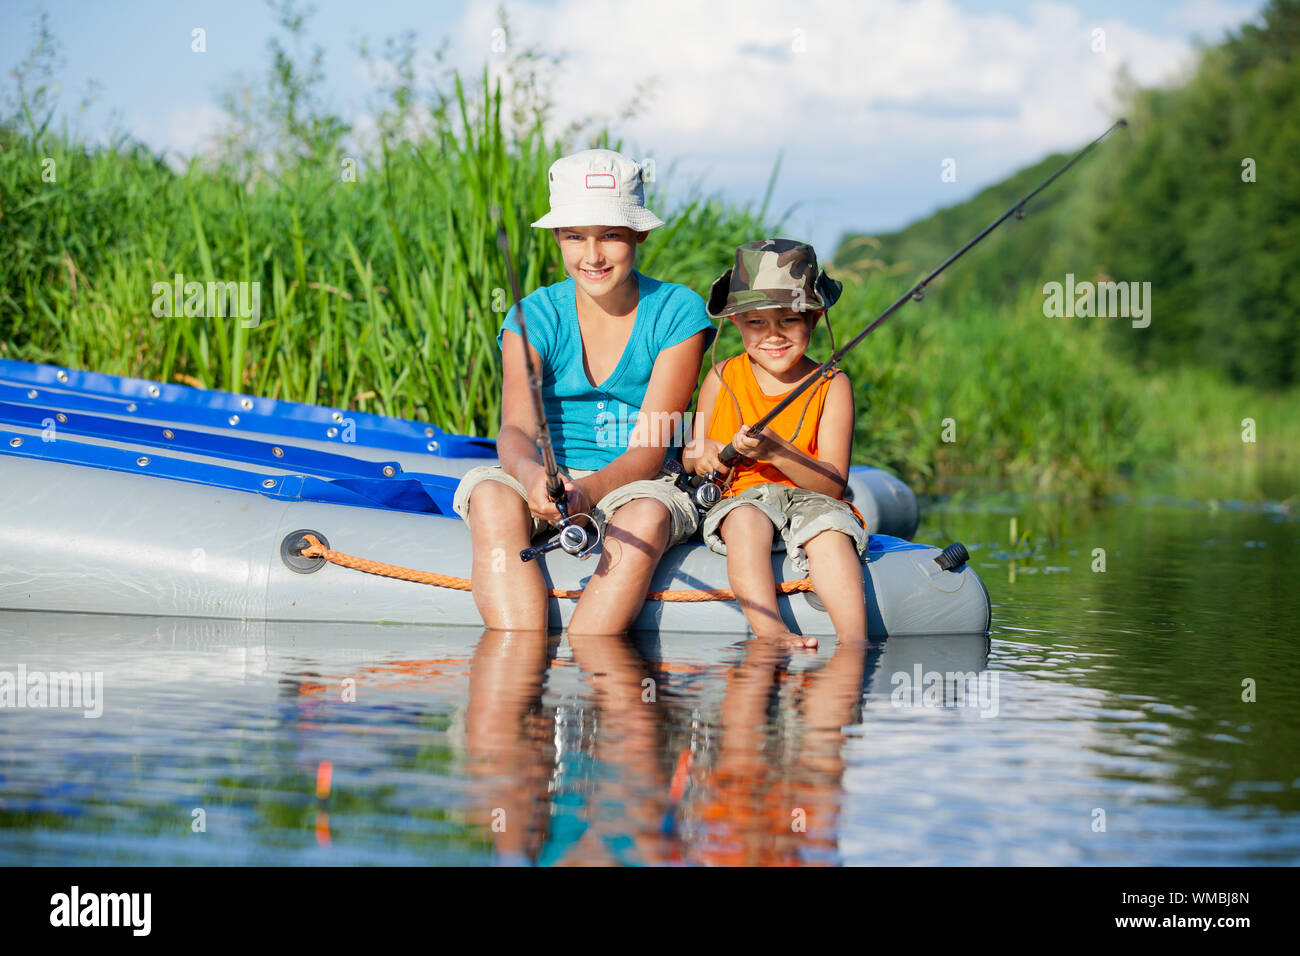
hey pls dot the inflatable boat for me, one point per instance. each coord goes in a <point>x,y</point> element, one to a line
<point>131,497</point>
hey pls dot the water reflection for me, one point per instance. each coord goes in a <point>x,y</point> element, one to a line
<point>758,780</point>
<point>1117,686</point>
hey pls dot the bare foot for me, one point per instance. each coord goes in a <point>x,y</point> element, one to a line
<point>790,639</point>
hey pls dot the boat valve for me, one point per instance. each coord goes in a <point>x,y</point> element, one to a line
<point>291,549</point>
<point>952,557</point>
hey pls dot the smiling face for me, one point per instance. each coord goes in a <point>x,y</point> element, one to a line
<point>600,259</point>
<point>776,339</point>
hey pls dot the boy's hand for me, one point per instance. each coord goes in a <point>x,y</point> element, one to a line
<point>757,448</point>
<point>541,505</point>
<point>707,461</point>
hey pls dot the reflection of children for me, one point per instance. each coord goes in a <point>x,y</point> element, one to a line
<point>759,805</point>
<point>775,295</point>
<point>605,335</point>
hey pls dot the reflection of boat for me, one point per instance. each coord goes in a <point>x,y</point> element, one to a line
<point>133,497</point>
<point>405,657</point>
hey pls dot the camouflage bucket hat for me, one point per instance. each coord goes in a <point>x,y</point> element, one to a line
<point>773,274</point>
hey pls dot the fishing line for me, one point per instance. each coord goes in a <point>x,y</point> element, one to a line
<point>916,293</point>
<point>572,538</point>
<point>713,369</point>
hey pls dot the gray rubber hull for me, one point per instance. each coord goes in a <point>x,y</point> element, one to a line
<point>91,540</point>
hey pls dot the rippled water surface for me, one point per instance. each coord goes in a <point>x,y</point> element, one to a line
<point>1144,714</point>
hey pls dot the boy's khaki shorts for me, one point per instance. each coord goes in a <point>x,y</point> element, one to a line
<point>797,513</point>
<point>682,515</point>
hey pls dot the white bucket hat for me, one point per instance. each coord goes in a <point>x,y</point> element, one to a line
<point>598,187</point>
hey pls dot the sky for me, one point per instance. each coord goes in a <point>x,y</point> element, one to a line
<point>863,101</point>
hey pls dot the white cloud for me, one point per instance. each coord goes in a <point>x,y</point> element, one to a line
<point>879,95</point>
<point>189,129</point>
<point>728,77</point>
<point>1209,18</point>
<point>182,132</point>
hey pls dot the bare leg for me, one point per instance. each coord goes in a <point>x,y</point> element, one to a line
<point>747,533</point>
<point>831,700</point>
<point>630,742</point>
<point>510,594</point>
<point>504,743</point>
<point>836,572</point>
<point>635,539</point>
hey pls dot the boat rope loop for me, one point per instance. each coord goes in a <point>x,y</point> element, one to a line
<point>317,550</point>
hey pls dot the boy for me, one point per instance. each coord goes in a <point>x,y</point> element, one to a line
<point>792,486</point>
<point>613,347</point>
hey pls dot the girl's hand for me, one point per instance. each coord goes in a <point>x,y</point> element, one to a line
<point>756,448</point>
<point>541,505</point>
<point>708,462</point>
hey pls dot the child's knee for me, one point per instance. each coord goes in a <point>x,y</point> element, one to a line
<point>745,519</point>
<point>830,543</point>
<point>641,516</point>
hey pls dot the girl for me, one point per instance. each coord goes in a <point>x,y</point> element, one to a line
<point>616,350</point>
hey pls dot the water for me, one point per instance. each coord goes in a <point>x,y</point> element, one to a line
<point>1106,725</point>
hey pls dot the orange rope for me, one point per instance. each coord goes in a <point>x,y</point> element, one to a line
<point>318,550</point>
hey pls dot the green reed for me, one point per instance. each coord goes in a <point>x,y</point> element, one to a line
<point>385,292</point>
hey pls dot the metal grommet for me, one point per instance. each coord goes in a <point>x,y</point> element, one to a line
<point>432,446</point>
<point>153,391</point>
<point>32,393</point>
<point>15,442</point>
<point>291,552</point>
<point>333,432</point>
<point>167,433</point>
<point>234,419</point>
<point>428,432</point>
<point>277,451</point>
<point>142,460</point>
<point>389,471</point>
<point>62,418</point>
<point>61,375</point>
<point>246,403</point>
<point>131,407</point>
<point>268,483</point>
<point>338,417</point>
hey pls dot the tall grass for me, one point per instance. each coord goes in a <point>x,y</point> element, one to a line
<point>384,293</point>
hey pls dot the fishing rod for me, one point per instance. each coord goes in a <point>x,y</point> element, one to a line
<point>916,293</point>
<point>572,538</point>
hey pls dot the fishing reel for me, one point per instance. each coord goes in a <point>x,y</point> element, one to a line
<point>573,539</point>
<point>704,492</point>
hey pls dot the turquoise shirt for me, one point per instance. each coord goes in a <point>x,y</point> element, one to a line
<point>591,424</point>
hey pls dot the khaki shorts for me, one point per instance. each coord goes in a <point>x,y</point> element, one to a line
<point>797,513</point>
<point>683,518</point>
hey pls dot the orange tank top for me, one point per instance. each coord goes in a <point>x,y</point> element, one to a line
<point>738,373</point>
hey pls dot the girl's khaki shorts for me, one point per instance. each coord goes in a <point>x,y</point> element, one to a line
<point>682,515</point>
